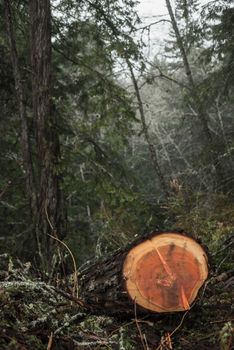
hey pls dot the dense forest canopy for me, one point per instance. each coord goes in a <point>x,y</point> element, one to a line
<point>100,143</point>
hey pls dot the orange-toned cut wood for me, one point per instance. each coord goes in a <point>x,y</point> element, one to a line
<point>165,272</point>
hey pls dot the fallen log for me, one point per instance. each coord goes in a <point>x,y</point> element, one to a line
<point>35,314</point>
<point>162,272</point>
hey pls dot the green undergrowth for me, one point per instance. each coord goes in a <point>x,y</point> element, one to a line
<point>210,217</point>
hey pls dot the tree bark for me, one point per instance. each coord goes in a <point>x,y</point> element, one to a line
<point>162,272</point>
<point>50,214</point>
<point>25,144</point>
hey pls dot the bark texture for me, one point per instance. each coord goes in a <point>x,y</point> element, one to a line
<point>50,217</point>
<point>42,170</point>
<point>118,284</point>
<point>25,144</point>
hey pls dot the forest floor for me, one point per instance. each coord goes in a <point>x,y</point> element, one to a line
<point>40,314</point>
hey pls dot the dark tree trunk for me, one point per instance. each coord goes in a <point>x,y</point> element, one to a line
<point>162,272</point>
<point>50,215</point>
<point>25,144</point>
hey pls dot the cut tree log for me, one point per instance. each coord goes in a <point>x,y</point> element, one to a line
<point>28,303</point>
<point>162,272</point>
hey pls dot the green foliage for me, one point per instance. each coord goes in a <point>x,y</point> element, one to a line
<point>226,336</point>
<point>126,339</point>
<point>108,179</point>
<point>94,119</point>
<point>186,15</point>
<point>210,217</point>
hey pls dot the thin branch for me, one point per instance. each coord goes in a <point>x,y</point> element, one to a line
<point>145,347</point>
<point>68,322</point>
<point>50,342</point>
<point>75,274</point>
<point>5,188</point>
<point>174,331</point>
<point>153,23</point>
<point>166,77</point>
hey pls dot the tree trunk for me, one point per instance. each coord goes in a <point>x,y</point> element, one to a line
<point>202,115</point>
<point>162,272</point>
<point>25,144</point>
<point>151,147</point>
<point>198,104</point>
<point>50,217</point>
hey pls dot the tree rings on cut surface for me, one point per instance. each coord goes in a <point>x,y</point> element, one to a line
<point>164,273</point>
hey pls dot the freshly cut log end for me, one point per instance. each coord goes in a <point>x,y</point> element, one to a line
<point>158,272</point>
<point>165,272</point>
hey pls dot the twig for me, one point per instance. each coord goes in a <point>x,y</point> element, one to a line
<point>66,295</point>
<point>75,274</point>
<point>146,343</point>
<point>145,347</point>
<point>153,23</point>
<point>203,292</point>
<point>173,332</point>
<point>5,189</point>
<point>165,342</point>
<point>224,248</point>
<point>67,323</point>
<point>222,321</point>
<point>180,324</point>
<point>221,263</point>
<point>50,342</point>
<point>94,343</point>
<point>222,277</point>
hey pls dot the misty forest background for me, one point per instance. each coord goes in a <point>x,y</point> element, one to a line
<point>98,142</point>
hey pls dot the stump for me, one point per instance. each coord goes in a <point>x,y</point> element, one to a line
<point>160,273</point>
